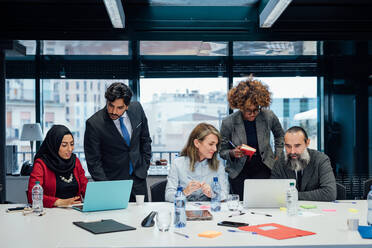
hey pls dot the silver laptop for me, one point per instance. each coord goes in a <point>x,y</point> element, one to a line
<point>265,193</point>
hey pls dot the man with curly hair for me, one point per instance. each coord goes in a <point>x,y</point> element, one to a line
<point>250,125</point>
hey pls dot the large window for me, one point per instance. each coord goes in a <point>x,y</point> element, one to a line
<point>72,106</point>
<point>174,106</point>
<point>197,48</point>
<point>294,101</point>
<point>274,48</point>
<point>20,109</point>
<point>51,47</point>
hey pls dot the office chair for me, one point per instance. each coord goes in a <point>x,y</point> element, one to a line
<point>341,191</point>
<point>158,191</point>
<point>367,187</point>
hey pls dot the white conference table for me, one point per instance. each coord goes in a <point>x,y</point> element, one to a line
<point>55,228</point>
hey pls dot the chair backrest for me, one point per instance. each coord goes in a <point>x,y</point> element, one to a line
<point>158,191</point>
<point>367,187</point>
<point>341,191</point>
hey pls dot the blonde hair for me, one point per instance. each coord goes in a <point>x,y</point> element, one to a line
<point>201,131</point>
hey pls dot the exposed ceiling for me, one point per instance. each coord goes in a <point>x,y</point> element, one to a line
<point>184,20</point>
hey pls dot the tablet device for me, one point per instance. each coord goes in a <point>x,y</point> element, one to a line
<point>198,215</point>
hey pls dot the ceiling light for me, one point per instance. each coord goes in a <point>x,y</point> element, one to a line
<point>116,12</point>
<point>272,11</point>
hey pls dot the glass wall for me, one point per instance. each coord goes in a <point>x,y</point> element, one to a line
<point>174,106</point>
<point>20,109</point>
<point>294,101</point>
<point>70,103</point>
<point>198,48</point>
<point>52,47</point>
<point>274,48</point>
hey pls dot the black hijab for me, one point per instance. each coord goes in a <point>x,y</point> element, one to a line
<point>48,151</point>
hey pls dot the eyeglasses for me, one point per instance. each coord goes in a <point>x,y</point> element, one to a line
<point>254,111</point>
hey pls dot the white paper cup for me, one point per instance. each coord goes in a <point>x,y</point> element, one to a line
<point>140,199</point>
<point>352,224</point>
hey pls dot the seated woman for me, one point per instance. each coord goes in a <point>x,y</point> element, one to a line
<point>198,164</point>
<point>58,170</point>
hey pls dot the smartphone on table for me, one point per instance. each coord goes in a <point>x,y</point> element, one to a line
<point>232,224</point>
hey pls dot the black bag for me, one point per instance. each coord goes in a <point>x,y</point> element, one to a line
<point>26,168</point>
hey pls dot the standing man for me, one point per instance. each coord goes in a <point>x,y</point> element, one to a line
<point>117,143</point>
<point>311,169</point>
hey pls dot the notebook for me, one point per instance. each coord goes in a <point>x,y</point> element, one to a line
<point>106,195</point>
<point>103,226</point>
<point>265,193</point>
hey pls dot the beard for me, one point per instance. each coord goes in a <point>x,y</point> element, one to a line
<point>298,163</point>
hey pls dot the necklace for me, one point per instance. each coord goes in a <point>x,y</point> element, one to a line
<point>67,180</point>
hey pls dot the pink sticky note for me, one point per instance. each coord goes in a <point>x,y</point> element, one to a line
<point>329,210</point>
<point>205,207</point>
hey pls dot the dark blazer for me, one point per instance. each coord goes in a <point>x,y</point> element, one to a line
<point>106,152</point>
<point>318,181</point>
<point>232,128</point>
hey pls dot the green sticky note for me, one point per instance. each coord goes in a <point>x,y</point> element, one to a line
<point>308,206</point>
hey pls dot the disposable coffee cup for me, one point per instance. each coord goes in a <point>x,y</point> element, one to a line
<point>352,224</point>
<point>140,199</point>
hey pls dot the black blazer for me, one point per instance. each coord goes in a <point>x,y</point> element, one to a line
<point>106,152</point>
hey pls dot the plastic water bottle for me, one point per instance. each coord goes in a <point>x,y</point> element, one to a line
<point>179,209</point>
<point>37,198</point>
<point>369,212</point>
<point>291,200</point>
<point>216,195</point>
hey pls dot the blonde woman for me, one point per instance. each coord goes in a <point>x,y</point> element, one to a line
<point>198,164</point>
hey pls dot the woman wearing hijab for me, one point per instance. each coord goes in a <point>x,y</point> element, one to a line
<point>58,170</point>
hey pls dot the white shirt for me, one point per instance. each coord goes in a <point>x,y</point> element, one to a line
<point>126,123</point>
<point>180,174</point>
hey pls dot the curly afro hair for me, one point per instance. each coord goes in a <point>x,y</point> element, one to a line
<point>249,92</point>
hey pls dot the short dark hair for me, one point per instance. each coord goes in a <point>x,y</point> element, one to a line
<point>296,129</point>
<point>118,91</point>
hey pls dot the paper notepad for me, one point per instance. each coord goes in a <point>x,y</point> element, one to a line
<point>209,234</point>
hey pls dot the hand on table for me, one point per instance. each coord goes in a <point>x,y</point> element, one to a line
<point>67,202</point>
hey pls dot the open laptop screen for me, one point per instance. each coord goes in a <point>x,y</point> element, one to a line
<point>265,193</point>
<point>106,195</point>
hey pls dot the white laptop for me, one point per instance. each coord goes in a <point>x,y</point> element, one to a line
<point>265,193</point>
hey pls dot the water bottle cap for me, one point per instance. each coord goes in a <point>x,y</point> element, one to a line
<point>179,188</point>
<point>215,179</point>
<point>291,184</point>
<point>37,182</point>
